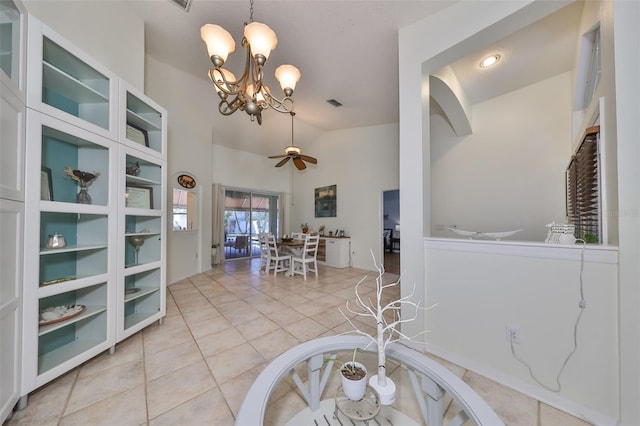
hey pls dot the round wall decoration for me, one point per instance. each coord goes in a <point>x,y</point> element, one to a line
<point>187,181</point>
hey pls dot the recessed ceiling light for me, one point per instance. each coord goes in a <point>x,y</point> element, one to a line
<point>489,60</point>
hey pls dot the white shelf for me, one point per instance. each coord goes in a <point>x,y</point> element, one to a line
<point>143,292</point>
<point>141,121</point>
<point>136,318</point>
<point>74,248</point>
<point>143,267</point>
<point>141,181</point>
<point>80,281</point>
<point>89,312</point>
<point>63,207</point>
<point>70,87</point>
<point>65,353</point>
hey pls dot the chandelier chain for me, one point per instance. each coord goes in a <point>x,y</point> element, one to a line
<point>251,11</point>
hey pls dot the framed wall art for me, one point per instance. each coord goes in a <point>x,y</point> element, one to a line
<point>137,134</point>
<point>139,197</point>
<point>326,201</point>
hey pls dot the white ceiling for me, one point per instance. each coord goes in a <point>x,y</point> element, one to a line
<point>346,50</point>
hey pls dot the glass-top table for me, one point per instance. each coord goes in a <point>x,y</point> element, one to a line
<point>296,387</point>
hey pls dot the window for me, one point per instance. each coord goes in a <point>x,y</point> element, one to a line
<point>583,188</point>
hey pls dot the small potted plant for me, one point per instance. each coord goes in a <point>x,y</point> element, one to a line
<point>305,227</point>
<point>214,249</point>
<point>353,376</point>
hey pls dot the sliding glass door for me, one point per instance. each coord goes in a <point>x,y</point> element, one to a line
<point>247,214</point>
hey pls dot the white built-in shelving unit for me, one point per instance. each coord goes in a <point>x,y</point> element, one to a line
<point>78,113</point>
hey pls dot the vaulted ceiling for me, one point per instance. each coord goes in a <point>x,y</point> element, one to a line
<point>345,50</point>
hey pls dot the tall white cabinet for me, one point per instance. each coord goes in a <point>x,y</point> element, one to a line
<point>79,249</point>
<point>12,191</point>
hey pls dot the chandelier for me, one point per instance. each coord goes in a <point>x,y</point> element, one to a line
<point>249,93</point>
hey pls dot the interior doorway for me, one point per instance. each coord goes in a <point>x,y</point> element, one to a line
<point>391,230</point>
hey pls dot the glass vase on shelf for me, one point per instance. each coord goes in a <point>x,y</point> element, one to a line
<point>83,196</point>
<point>83,179</point>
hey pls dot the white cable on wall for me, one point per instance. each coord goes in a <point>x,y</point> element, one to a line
<point>582,304</point>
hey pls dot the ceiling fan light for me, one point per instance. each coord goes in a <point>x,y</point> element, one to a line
<point>292,150</point>
<point>288,76</point>
<point>218,40</point>
<point>261,38</point>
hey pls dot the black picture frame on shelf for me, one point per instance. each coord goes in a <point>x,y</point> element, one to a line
<point>46,185</point>
<point>137,134</point>
<point>139,197</point>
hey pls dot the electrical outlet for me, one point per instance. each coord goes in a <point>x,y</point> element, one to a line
<point>513,334</point>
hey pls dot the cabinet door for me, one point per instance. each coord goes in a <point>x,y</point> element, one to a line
<point>68,84</point>
<point>142,122</point>
<point>79,271</point>
<point>11,237</point>
<point>141,243</point>
<point>338,252</point>
<point>12,49</point>
<point>12,140</point>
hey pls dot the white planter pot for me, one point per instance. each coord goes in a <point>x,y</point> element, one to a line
<point>354,389</point>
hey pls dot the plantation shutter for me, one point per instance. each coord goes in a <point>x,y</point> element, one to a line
<point>583,188</point>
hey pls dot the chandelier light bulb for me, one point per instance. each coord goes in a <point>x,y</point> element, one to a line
<point>216,77</point>
<point>261,38</point>
<point>218,40</point>
<point>288,76</point>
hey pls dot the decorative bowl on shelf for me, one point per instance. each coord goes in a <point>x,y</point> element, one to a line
<point>57,314</point>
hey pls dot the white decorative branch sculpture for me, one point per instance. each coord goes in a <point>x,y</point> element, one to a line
<point>387,331</point>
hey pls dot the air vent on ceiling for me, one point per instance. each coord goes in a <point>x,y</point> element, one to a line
<point>334,102</point>
<point>182,4</point>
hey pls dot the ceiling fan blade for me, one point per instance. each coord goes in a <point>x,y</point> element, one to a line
<point>299,163</point>
<point>309,159</point>
<point>281,162</point>
<point>279,156</point>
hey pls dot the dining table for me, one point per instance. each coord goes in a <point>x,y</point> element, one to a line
<point>293,246</point>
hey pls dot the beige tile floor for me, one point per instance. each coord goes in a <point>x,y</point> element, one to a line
<point>222,328</point>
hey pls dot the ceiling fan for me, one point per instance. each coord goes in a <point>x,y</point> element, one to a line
<point>293,152</point>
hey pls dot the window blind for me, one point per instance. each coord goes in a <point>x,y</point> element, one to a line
<point>583,188</point>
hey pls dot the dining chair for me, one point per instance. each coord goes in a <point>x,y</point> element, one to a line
<point>263,238</point>
<point>278,262</point>
<point>308,261</point>
<point>297,235</point>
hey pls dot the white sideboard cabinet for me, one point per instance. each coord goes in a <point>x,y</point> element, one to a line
<point>336,251</point>
<point>79,121</point>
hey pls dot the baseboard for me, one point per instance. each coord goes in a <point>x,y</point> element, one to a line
<point>546,397</point>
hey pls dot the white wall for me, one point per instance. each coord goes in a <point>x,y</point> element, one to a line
<point>480,288</point>
<point>467,27</point>
<point>362,162</point>
<point>105,30</point>
<point>627,57</point>
<point>189,149</point>
<point>509,173</point>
